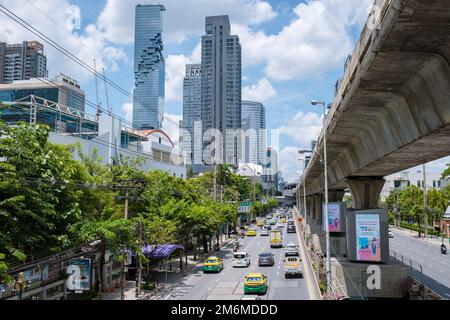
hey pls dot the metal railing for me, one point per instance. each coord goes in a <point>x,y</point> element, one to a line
<point>415,269</point>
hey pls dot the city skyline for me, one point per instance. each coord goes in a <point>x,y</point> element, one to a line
<point>291,26</point>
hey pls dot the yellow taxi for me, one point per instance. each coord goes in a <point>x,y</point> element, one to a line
<point>283,220</point>
<point>212,264</point>
<point>251,233</point>
<point>255,283</point>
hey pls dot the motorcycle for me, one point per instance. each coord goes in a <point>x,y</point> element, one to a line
<point>443,249</point>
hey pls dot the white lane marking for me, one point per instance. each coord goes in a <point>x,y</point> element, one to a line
<point>278,273</point>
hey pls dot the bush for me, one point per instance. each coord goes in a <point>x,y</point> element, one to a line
<point>148,286</point>
<point>86,295</point>
<point>415,227</point>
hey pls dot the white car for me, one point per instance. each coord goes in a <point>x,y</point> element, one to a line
<point>240,259</point>
<point>390,233</point>
<point>291,249</point>
<point>264,232</point>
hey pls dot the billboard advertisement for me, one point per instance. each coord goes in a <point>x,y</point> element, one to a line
<point>79,271</point>
<point>368,246</point>
<point>335,215</point>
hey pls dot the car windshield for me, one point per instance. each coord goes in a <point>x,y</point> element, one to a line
<point>265,254</point>
<point>211,261</point>
<point>239,256</point>
<point>254,279</point>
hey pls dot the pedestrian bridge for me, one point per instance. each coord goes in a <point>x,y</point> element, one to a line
<point>392,108</point>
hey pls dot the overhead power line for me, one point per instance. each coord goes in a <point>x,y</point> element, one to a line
<point>74,58</point>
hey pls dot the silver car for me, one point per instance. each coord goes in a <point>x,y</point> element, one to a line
<point>266,259</point>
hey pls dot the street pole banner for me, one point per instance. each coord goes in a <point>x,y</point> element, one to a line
<point>336,218</point>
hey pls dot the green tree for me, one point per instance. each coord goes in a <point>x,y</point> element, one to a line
<point>38,201</point>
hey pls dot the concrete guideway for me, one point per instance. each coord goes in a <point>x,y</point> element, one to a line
<point>391,111</point>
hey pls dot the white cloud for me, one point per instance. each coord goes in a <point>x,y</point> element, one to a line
<point>259,92</point>
<point>317,40</point>
<point>303,128</point>
<point>181,18</point>
<point>171,126</point>
<point>175,71</point>
<point>52,18</point>
<point>127,108</point>
<point>289,164</point>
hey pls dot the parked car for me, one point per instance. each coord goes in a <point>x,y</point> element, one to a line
<point>266,259</point>
<point>240,259</point>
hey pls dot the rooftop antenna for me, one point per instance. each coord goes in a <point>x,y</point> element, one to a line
<point>106,92</point>
<point>96,92</point>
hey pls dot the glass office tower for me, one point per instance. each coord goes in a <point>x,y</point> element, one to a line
<point>221,91</point>
<point>149,68</point>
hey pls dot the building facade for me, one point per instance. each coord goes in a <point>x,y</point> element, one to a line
<point>271,174</point>
<point>221,92</point>
<point>149,68</point>
<point>254,129</point>
<point>22,61</point>
<point>189,143</point>
<point>412,177</point>
<point>63,90</point>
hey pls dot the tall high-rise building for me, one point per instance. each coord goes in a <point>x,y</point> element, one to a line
<point>221,91</point>
<point>191,113</point>
<point>254,127</point>
<point>149,68</point>
<point>62,89</point>
<point>22,61</point>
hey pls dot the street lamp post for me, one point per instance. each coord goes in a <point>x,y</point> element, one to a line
<point>304,188</point>
<point>327,227</point>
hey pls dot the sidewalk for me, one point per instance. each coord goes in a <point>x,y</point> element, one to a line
<point>163,287</point>
<point>415,234</point>
<point>130,292</point>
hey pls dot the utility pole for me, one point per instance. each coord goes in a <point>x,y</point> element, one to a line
<point>425,205</point>
<point>122,280</point>
<point>138,284</point>
<point>215,182</point>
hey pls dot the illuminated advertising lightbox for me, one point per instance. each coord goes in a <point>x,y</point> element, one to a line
<point>335,217</point>
<point>368,246</point>
<point>79,272</point>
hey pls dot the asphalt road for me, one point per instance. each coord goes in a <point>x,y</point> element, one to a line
<point>436,267</point>
<point>228,284</point>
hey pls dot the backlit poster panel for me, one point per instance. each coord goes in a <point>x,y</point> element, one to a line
<point>368,237</point>
<point>334,217</point>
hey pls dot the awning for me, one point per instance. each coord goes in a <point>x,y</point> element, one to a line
<point>161,251</point>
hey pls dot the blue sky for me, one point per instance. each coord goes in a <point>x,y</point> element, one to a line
<point>293,51</point>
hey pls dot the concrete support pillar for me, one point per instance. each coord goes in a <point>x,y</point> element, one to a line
<point>318,200</point>
<point>365,191</point>
<point>310,206</point>
<point>335,195</point>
